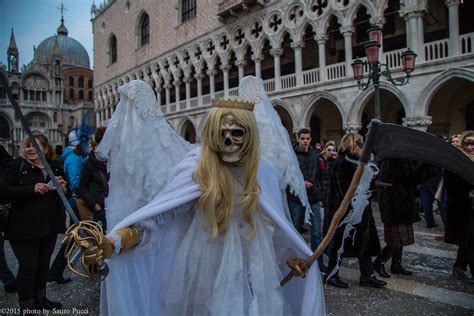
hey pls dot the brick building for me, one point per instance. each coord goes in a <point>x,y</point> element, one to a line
<point>191,51</point>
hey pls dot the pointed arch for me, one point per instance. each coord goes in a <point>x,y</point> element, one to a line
<point>142,29</point>
<point>436,83</point>
<point>357,108</point>
<point>310,104</point>
<point>112,48</point>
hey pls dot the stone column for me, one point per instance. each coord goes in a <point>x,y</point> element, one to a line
<point>415,35</point>
<point>321,39</point>
<point>418,122</point>
<point>187,81</point>
<point>212,86</point>
<point>276,53</point>
<point>298,50</point>
<point>241,65</point>
<point>257,58</point>
<point>176,93</point>
<point>347,32</point>
<point>159,91</point>
<point>199,78</point>
<point>167,96</point>
<point>225,70</point>
<point>454,41</point>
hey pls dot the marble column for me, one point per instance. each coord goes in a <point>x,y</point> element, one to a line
<point>418,122</point>
<point>347,32</point>
<point>276,53</point>
<point>199,77</point>
<point>258,65</point>
<point>454,40</point>
<point>212,85</point>
<point>321,40</point>
<point>187,81</point>
<point>225,70</point>
<point>298,51</point>
<point>241,66</point>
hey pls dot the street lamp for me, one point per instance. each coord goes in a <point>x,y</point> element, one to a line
<point>378,69</point>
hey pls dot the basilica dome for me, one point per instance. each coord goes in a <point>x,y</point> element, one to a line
<point>72,52</point>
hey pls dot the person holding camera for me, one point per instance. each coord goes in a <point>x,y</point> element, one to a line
<point>35,219</point>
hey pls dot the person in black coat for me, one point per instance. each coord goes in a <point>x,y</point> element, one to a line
<point>6,275</point>
<point>460,215</point>
<point>397,189</point>
<point>93,186</point>
<point>366,242</point>
<point>309,165</point>
<point>36,218</point>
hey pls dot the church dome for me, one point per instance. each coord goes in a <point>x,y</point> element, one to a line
<point>72,52</point>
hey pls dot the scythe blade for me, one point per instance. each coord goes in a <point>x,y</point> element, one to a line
<point>396,141</point>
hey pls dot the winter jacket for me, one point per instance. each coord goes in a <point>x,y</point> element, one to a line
<point>72,168</point>
<point>459,213</point>
<point>93,187</point>
<point>309,166</point>
<point>397,202</point>
<point>325,167</point>
<point>366,240</point>
<point>32,215</point>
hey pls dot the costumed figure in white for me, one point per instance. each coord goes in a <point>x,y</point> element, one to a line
<point>216,239</point>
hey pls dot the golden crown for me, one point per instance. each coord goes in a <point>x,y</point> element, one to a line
<point>233,103</point>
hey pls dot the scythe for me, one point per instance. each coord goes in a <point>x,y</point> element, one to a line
<point>391,141</point>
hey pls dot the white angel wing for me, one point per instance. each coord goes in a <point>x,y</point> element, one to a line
<point>275,144</point>
<point>141,149</point>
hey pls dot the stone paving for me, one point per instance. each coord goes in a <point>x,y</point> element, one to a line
<point>430,291</point>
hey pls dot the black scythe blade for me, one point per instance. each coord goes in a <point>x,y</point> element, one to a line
<point>4,83</point>
<point>396,141</point>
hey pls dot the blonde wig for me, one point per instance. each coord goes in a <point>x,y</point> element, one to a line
<point>214,177</point>
<point>349,142</point>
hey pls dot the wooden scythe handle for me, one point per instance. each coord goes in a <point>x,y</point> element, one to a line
<point>334,223</point>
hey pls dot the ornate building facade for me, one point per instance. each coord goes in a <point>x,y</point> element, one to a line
<point>190,52</point>
<point>54,91</point>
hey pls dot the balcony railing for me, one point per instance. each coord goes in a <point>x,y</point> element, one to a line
<point>436,50</point>
<point>336,71</point>
<point>466,43</point>
<point>288,81</point>
<point>311,76</point>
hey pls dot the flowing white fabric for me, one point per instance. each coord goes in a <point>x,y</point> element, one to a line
<point>275,144</point>
<point>181,272</point>
<point>141,149</point>
<point>359,202</point>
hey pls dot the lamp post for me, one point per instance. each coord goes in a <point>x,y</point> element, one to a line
<point>378,69</point>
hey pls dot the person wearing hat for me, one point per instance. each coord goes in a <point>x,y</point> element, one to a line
<point>73,159</point>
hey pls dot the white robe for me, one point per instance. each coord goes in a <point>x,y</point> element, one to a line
<point>177,270</point>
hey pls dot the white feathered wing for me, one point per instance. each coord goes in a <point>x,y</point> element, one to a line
<point>141,148</point>
<point>275,144</point>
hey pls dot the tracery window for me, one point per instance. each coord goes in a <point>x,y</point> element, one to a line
<point>71,81</point>
<point>188,10</point>
<point>81,94</point>
<point>144,30</point>
<point>81,82</point>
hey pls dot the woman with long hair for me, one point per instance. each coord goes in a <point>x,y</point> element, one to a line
<point>366,241</point>
<point>36,218</point>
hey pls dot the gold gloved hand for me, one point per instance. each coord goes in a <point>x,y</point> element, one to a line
<point>88,237</point>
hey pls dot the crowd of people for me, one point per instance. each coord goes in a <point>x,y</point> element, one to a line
<point>33,214</point>
<point>405,191</point>
<point>36,214</point>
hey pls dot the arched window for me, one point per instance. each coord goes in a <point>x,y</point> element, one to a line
<point>71,81</point>
<point>81,82</point>
<point>81,94</point>
<point>71,93</point>
<point>113,49</point>
<point>188,10</point>
<point>90,95</point>
<point>144,29</point>
<point>89,84</point>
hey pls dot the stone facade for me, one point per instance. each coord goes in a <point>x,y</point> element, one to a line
<point>303,51</point>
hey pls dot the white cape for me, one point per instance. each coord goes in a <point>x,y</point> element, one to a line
<point>177,270</point>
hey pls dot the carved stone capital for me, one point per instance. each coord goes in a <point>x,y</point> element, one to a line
<point>240,63</point>
<point>450,3</point>
<point>211,72</point>
<point>277,51</point>
<point>352,127</point>
<point>299,44</point>
<point>321,38</point>
<point>378,21</point>
<point>418,122</point>
<point>347,30</point>
<point>199,76</point>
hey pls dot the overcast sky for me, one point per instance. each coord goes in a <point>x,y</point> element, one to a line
<point>34,20</point>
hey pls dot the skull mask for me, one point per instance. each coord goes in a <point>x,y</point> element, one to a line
<point>232,139</point>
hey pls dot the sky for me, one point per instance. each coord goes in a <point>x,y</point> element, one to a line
<point>34,20</point>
